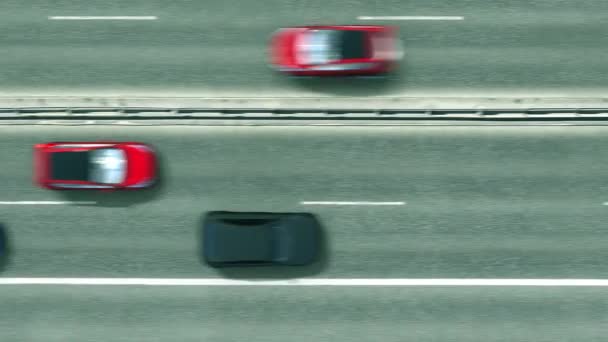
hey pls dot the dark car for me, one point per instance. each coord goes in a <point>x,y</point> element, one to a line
<point>250,239</point>
<point>3,242</point>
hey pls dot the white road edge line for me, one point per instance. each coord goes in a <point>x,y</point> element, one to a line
<point>416,17</point>
<point>392,282</point>
<point>116,17</point>
<point>45,202</point>
<point>350,203</point>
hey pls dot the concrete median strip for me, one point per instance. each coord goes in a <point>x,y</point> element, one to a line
<point>63,110</point>
<point>154,106</point>
<point>319,282</point>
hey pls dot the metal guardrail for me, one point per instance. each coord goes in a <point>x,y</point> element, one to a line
<point>265,113</point>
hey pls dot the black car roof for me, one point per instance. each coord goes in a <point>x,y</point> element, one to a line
<point>256,237</point>
<point>353,44</point>
<point>234,243</point>
<point>3,241</point>
<point>70,165</point>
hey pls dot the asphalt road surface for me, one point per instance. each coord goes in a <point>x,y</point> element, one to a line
<point>219,48</point>
<point>481,202</point>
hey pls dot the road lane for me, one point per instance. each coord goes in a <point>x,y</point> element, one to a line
<point>514,202</point>
<point>219,48</point>
<point>302,314</point>
<point>482,202</point>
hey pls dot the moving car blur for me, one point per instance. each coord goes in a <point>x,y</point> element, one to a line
<point>3,243</point>
<point>335,50</point>
<point>92,165</point>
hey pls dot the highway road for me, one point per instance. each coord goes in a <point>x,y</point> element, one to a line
<point>218,48</point>
<point>480,202</point>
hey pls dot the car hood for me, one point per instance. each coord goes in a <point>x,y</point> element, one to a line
<point>140,165</point>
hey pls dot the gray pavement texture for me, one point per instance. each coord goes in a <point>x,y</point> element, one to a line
<point>219,48</point>
<point>303,314</point>
<point>482,202</point>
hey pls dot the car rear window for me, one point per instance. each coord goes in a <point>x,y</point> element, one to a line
<point>70,166</point>
<point>353,45</point>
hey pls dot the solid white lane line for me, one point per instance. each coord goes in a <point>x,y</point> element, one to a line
<point>45,202</point>
<point>391,282</point>
<point>350,203</point>
<point>116,17</point>
<point>415,17</point>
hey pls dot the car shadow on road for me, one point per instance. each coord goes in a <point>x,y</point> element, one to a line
<point>275,272</point>
<point>350,86</point>
<point>120,198</point>
<point>6,247</point>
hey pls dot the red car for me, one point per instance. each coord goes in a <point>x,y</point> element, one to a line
<point>94,165</point>
<point>335,50</point>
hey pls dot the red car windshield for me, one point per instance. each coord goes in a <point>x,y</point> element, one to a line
<point>108,166</point>
<point>317,47</point>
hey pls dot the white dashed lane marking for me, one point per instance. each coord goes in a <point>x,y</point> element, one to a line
<point>415,17</point>
<point>351,203</point>
<point>115,17</point>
